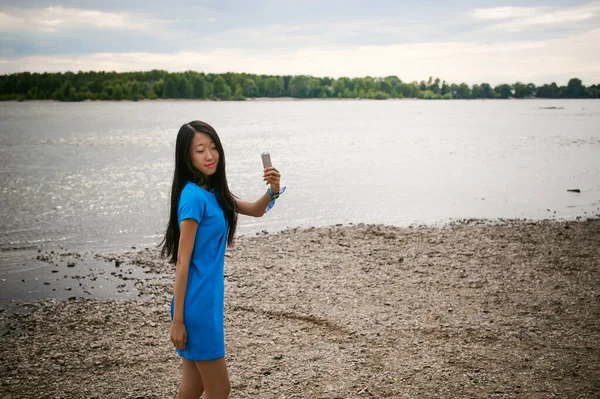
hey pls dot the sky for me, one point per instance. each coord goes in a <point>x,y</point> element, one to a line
<point>493,41</point>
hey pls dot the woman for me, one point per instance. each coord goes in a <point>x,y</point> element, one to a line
<point>203,219</point>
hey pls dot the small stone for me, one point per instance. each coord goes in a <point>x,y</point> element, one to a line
<point>71,264</point>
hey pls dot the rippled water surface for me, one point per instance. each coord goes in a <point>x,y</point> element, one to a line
<point>96,175</point>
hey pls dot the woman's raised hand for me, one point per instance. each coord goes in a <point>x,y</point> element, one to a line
<point>272,177</point>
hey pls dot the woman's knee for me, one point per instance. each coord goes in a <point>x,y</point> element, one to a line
<point>191,383</point>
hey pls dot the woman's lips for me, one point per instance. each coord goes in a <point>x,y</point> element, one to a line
<point>210,165</point>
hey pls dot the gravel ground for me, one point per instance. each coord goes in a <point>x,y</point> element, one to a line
<point>471,310</point>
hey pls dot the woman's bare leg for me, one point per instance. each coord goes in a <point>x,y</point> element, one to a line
<point>191,386</point>
<point>215,378</point>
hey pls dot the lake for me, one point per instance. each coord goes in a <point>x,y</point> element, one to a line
<point>96,175</point>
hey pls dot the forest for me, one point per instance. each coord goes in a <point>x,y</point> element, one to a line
<point>157,84</point>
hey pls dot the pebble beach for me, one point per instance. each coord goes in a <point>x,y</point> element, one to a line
<point>473,309</point>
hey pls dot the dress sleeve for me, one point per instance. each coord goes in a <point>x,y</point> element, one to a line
<point>191,205</point>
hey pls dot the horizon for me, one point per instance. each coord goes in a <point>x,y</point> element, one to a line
<point>468,41</point>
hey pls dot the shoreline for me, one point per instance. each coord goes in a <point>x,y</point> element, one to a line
<point>59,273</point>
<point>471,309</point>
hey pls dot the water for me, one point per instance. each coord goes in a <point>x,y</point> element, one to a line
<point>96,175</point>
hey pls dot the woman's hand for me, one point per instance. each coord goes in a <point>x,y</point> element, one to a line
<point>178,335</point>
<point>272,177</point>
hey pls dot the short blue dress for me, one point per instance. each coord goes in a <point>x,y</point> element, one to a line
<point>203,315</point>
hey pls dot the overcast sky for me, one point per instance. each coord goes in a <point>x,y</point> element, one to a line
<point>470,41</point>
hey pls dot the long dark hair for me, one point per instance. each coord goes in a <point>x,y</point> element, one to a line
<point>184,172</point>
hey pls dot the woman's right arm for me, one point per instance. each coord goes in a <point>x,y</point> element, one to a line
<point>184,254</point>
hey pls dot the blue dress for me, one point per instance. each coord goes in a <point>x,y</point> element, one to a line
<point>204,297</point>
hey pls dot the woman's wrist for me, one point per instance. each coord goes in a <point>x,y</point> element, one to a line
<point>272,193</point>
<point>273,196</point>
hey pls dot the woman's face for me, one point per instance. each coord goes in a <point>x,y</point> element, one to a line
<point>205,156</point>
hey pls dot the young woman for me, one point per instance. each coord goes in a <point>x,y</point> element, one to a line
<point>202,221</point>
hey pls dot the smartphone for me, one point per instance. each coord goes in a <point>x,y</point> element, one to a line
<point>266,160</point>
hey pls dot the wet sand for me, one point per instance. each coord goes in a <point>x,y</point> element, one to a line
<point>471,310</point>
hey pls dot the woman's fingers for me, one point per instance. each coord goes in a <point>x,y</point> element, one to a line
<point>272,173</point>
<point>271,176</point>
<point>179,342</point>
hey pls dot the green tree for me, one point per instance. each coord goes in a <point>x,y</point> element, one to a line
<point>221,89</point>
<point>574,89</point>
<point>184,86</point>
<point>274,86</point>
<point>199,87</point>
<point>487,91</point>
<point>117,92</point>
<point>135,91</point>
<point>339,86</point>
<point>521,90</point>
<point>435,87</point>
<point>249,88</point>
<point>238,93</point>
<point>445,88</point>
<point>461,91</point>
<point>503,91</point>
<point>170,88</point>
<point>300,87</point>
<point>157,88</point>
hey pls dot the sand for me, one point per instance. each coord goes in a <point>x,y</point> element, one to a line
<point>471,310</point>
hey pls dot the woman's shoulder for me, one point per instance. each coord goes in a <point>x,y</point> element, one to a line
<point>192,190</point>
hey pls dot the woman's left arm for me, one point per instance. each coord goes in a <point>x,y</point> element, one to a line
<point>257,208</point>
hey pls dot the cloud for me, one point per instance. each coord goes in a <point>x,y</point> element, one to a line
<point>527,61</point>
<point>506,12</point>
<point>55,19</point>
<point>523,18</point>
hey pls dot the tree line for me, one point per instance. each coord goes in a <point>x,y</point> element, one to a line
<point>157,84</point>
